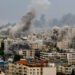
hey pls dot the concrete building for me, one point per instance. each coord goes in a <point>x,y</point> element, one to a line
<point>63,44</point>
<point>8,42</point>
<point>34,67</point>
<point>26,53</point>
<point>71,58</point>
<point>65,69</point>
<point>62,56</point>
<point>47,55</point>
<point>37,44</point>
<point>73,31</point>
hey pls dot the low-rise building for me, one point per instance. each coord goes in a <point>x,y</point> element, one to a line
<point>33,67</point>
<point>26,53</point>
<point>64,44</point>
<point>8,42</point>
<point>65,69</point>
<point>47,55</point>
<point>71,58</point>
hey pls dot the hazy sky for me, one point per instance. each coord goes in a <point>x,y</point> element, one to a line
<point>12,10</point>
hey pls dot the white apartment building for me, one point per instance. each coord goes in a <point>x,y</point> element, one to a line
<point>47,55</point>
<point>71,58</point>
<point>20,68</point>
<point>9,41</point>
<point>65,69</point>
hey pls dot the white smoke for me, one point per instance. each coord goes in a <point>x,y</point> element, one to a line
<point>40,5</point>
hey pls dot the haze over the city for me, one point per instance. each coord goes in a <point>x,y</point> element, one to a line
<point>12,10</point>
<point>37,37</point>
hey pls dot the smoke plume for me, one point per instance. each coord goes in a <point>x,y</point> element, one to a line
<point>68,19</point>
<point>26,20</point>
<point>40,5</point>
<point>25,24</point>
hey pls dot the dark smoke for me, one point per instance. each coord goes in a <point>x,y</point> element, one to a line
<point>19,29</point>
<point>23,28</point>
<point>27,19</point>
<point>68,19</point>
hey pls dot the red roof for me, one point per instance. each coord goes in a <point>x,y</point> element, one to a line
<point>22,62</point>
<point>32,63</point>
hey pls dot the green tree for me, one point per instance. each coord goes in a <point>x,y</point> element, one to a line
<point>60,73</point>
<point>37,53</point>
<point>16,58</point>
<point>58,50</point>
<point>73,72</point>
<point>2,53</point>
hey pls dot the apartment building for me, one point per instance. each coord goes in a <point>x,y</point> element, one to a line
<point>73,42</point>
<point>70,50</point>
<point>8,42</point>
<point>37,44</point>
<point>64,44</point>
<point>47,55</point>
<point>62,56</point>
<point>26,53</point>
<point>71,58</point>
<point>73,31</point>
<point>35,67</point>
<point>65,69</point>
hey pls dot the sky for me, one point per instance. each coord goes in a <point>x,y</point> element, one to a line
<point>12,10</point>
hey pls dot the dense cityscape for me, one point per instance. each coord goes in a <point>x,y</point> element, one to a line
<point>51,52</point>
<point>38,47</point>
